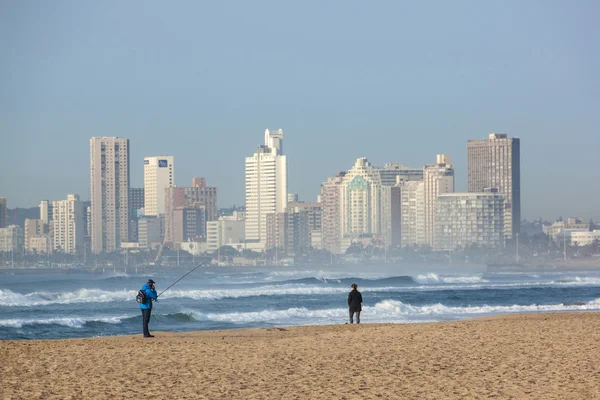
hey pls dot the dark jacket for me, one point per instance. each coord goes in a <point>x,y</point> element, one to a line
<point>354,300</point>
<point>150,295</point>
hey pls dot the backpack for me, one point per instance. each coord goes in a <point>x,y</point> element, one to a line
<point>141,296</point>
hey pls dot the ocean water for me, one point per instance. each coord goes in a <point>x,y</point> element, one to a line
<point>75,304</point>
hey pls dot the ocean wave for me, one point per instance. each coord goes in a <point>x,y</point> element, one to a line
<point>71,322</point>
<point>9,298</point>
<point>390,311</point>
<point>435,278</point>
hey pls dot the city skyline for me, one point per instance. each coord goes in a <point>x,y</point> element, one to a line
<point>337,91</point>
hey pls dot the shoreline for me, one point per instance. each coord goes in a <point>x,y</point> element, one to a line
<point>537,355</point>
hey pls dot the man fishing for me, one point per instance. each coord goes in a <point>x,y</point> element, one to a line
<point>146,306</point>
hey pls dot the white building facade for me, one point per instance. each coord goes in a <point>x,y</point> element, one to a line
<point>159,174</point>
<point>413,213</point>
<point>465,219</point>
<point>109,183</point>
<point>439,179</point>
<point>68,225</point>
<point>227,230</point>
<point>360,200</point>
<point>266,185</point>
<point>11,239</point>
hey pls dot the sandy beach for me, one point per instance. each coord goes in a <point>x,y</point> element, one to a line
<point>536,356</point>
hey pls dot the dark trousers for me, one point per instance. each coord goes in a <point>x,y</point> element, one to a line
<point>146,320</point>
<point>352,316</point>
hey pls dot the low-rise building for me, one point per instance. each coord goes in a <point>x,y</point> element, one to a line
<point>11,239</point>
<point>585,238</point>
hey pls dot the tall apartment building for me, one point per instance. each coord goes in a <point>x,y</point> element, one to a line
<point>149,231</point>
<point>136,207</point>
<point>413,213</point>
<point>266,185</point>
<point>197,196</point>
<point>330,209</point>
<point>45,211</point>
<point>68,218</point>
<point>159,175</point>
<point>3,210</point>
<point>360,200</point>
<point>465,219</point>
<point>496,163</point>
<point>136,200</point>
<point>33,227</point>
<point>109,182</point>
<point>438,179</point>
<point>392,173</point>
<point>288,232</point>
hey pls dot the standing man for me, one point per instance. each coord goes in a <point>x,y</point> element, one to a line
<point>146,307</point>
<point>354,302</point>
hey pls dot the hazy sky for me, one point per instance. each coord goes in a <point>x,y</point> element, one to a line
<point>391,81</point>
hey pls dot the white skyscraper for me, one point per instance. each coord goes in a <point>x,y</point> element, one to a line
<point>413,213</point>
<point>159,174</point>
<point>439,179</point>
<point>68,224</point>
<point>266,185</point>
<point>44,215</point>
<point>109,182</point>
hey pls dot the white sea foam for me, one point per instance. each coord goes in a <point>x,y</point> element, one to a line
<point>11,299</point>
<point>72,322</point>
<point>386,311</point>
<point>435,278</point>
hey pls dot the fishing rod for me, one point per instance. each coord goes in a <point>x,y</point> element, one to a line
<point>198,266</point>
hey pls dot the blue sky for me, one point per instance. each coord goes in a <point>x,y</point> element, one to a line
<point>392,81</point>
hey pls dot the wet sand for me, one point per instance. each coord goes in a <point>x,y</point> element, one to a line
<point>533,356</point>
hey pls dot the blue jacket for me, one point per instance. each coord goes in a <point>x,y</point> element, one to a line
<point>150,295</point>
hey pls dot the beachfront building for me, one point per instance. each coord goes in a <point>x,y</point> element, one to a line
<point>109,182</point>
<point>585,238</point>
<point>496,162</point>
<point>413,213</point>
<point>393,173</point>
<point>11,239</point>
<point>465,219</point>
<point>558,229</point>
<point>360,201</point>
<point>438,179</point>
<point>330,212</point>
<point>159,174</point>
<point>45,213</point>
<point>266,186</point>
<point>149,231</point>
<point>32,228</point>
<point>67,216</point>
<point>198,196</point>
<point>227,230</point>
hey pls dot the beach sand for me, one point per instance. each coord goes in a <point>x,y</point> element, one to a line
<point>535,356</point>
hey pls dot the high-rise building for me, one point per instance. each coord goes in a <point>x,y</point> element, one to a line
<point>360,200</point>
<point>496,163</point>
<point>197,196</point>
<point>438,179</point>
<point>330,209</point>
<point>68,218</point>
<point>109,182</point>
<point>159,175</point>
<point>33,227</point>
<point>136,200</point>
<point>413,213</point>
<point>465,219</point>
<point>266,185</point>
<point>45,211</point>
<point>392,173</point>
<point>3,208</point>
